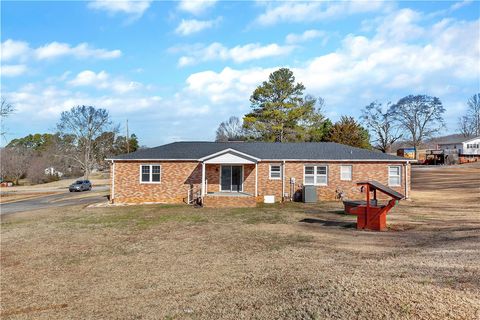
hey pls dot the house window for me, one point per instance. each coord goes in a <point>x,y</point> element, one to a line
<point>275,172</point>
<point>150,173</point>
<point>346,173</point>
<point>315,175</point>
<point>394,176</point>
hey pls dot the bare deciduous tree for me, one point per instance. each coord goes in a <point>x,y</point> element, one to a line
<point>420,116</point>
<point>231,129</point>
<point>381,124</point>
<point>465,126</point>
<point>469,124</point>
<point>6,109</point>
<point>15,163</point>
<point>79,129</point>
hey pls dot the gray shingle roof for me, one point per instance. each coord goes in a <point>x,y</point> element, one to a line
<point>194,150</point>
<point>458,140</point>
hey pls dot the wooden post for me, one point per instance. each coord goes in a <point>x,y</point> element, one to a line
<point>367,209</point>
<point>368,196</point>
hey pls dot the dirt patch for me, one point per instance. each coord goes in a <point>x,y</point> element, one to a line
<point>290,261</point>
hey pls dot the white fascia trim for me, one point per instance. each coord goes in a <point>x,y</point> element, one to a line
<point>343,160</point>
<point>151,160</point>
<point>226,151</point>
<point>469,140</point>
<point>275,160</point>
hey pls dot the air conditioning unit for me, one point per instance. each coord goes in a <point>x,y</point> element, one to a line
<point>309,194</point>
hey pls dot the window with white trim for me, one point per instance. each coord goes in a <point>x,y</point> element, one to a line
<point>150,173</point>
<point>346,173</point>
<point>275,172</point>
<point>394,176</point>
<point>315,175</point>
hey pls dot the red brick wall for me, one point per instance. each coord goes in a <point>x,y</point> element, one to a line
<point>266,186</point>
<point>175,180</point>
<point>229,202</point>
<point>360,171</point>
<point>177,176</point>
<point>467,159</point>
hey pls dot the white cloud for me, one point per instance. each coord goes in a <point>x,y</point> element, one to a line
<point>307,35</point>
<point>48,101</point>
<point>82,50</point>
<point>315,11</point>
<point>13,70</point>
<point>238,54</point>
<point>11,49</point>
<point>460,4</point>
<point>187,27</point>
<point>196,7</point>
<point>21,51</point>
<point>134,8</point>
<point>440,60</point>
<point>400,26</point>
<point>229,85</point>
<point>103,80</point>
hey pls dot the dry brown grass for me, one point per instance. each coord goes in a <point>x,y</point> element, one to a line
<point>176,262</point>
<point>11,197</point>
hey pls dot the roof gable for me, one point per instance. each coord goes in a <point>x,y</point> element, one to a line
<point>229,156</point>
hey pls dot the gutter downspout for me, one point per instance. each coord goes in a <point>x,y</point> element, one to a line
<point>256,179</point>
<point>406,173</point>
<point>283,181</point>
<point>203,181</point>
<point>112,189</point>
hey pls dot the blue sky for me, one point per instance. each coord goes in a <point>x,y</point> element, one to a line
<point>177,69</point>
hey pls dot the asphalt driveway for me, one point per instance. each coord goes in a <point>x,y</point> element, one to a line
<point>56,200</point>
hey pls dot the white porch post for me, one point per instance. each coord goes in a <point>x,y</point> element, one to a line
<point>256,179</point>
<point>203,179</point>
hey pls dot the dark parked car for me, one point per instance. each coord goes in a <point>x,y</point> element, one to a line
<point>80,185</point>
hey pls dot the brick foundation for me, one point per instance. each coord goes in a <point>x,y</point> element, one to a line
<point>229,201</point>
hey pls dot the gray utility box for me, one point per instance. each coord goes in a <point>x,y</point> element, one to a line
<point>309,194</point>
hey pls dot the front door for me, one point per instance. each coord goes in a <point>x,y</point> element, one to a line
<point>231,178</point>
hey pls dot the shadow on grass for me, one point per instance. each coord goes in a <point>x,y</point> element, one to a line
<point>329,223</point>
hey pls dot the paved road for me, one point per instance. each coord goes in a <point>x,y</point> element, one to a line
<point>52,201</point>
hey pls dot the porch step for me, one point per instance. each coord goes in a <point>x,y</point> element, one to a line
<point>224,201</point>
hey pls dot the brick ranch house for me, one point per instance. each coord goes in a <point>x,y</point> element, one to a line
<point>235,174</point>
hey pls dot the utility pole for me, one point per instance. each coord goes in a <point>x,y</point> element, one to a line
<point>128,140</point>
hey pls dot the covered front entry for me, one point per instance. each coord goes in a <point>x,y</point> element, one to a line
<point>229,174</point>
<point>231,178</point>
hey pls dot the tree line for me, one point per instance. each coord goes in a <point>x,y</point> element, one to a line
<point>282,112</point>
<point>85,136</point>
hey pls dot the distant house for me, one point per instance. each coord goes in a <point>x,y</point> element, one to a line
<point>235,174</point>
<point>461,150</point>
<point>51,171</point>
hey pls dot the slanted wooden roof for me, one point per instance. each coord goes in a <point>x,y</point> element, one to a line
<point>375,185</point>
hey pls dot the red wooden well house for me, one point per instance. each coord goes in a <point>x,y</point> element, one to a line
<point>370,214</point>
